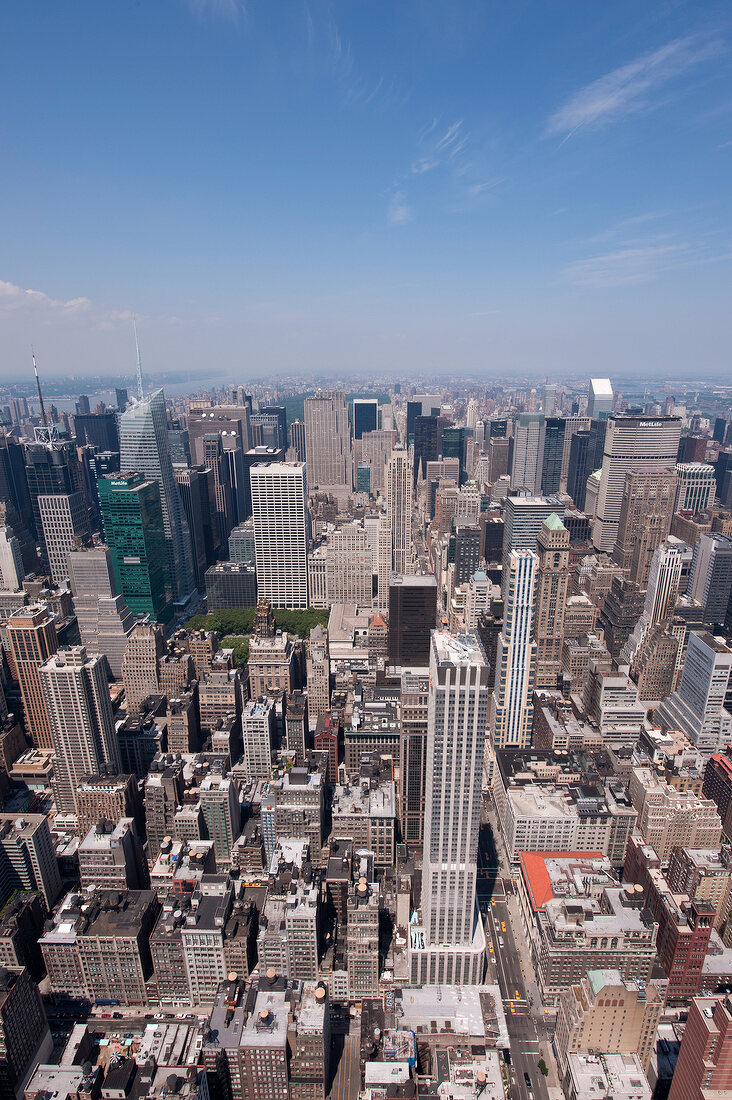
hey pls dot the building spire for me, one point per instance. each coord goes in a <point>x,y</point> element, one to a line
<point>38,386</point>
<point>139,362</point>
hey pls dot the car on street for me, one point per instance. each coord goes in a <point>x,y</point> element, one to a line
<point>527,1080</point>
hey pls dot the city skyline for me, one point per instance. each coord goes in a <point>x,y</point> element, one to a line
<point>433,188</point>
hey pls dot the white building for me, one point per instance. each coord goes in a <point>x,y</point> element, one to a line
<point>695,487</point>
<point>528,447</point>
<point>512,713</point>
<point>449,946</point>
<point>11,561</point>
<point>697,707</point>
<point>64,518</point>
<point>599,397</point>
<point>257,727</point>
<point>348,567</point>
<point>279,510</point>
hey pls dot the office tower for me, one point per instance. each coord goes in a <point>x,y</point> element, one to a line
<point>80,713</point>
<point>412,616</point>
<point>723,477</point>
<point>376,449</point>
<point>692,449</point>
<point>258,725</point>
<point>605,1014</point>
<point>500,455</point>
<point>196,488</point>
<point>31,633</point>
<point>704,1065</point>
<point>664,580</point>
<point>257,456</point>
<point>454,442</point>
<point>720,428</point>
<point>552,578</point>
<point>523,518</point>
<point>273,422</point>
<point>415,687</point>
<point>697,707</point>
<point>203,419</point>
<point>528,437</point>
<point>399,509</point>
<point>710,582</point>
<point>512,715</point>
<point>25,1038</point>
<point>452,947</point>
<point>230,584</point>
<point>213,459</point>
<point>242,543</point>
<point>631,443</point>
<point>549,399</point>
<point>585,456</point>
<point>105,621</point>
<point>234,463</point>
<point>279,508</point>
<point>551,447</point>
<point>144,450</point>
<point>297,439</point>
<point>572,425</point>
<point>296,724</point>
<point>695,487</point>
<point>140,668</point>
<point>27,858</point>
<point>327,440</point>
<point>221,812</point>
<point>348,566</point>
<point>467,550</point>
<point>318,672</point>
<point>478,599</point>
<point>56,493</point>
<point>11,560</point>
<point>600,398</point>
<point>365,416</point>
<point>14,483</point>
<point>414,409</point>
<point>121,397</point>
<point>83,408</point>
<point>362,943</point>
<point>646,510</point>
<point>135,531</point>
<point>178,445</point>
<point>98,429</point>
<point>427,443</point>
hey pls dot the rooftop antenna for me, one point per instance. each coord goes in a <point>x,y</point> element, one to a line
<point>38,387</point>
<point>139,362</point>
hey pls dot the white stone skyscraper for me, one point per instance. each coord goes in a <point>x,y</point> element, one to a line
<point>631,443</point>
<point>80,714</point>
<point>11,560</point>
<point>513,711</point>
<point>399,489</point>
<point>143,440</point>
<point>327,440</point>
<point>698,707</point>
<point>599,398</point>
<point>448,947</point>
<point>279,512</point>
<point>663,590</point>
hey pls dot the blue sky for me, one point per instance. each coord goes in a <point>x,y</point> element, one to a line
<point>418,186</point>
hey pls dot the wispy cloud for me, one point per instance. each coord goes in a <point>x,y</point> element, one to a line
<point>233,10</point>
<point>625,266</point>
<point>18,297</point>
<point>399,212</point>
<point>630,88</point>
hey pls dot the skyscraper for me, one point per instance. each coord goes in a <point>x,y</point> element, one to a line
<point>105,621</point>
<point>11,560</point>
<point>204,418</point>
<point>297,439</point>
<point>528,439</point>
<point>664,578</point>
<point>710,582</point>
<point>449,947</point>
<point>415,689</point>
<point>631,443</point>
<point>524,516</point>
<point>215,460</point>
<point>646,512</point>
<point>585,456</point>
<point>365,416</point>
<point>412,617</point>
<point>144,449</point>
<point>135,532</point>
<point>59,507</point>
<point>32,640</point>
<point>552,454</point>
<point>513,710</point>
<point>697,707</point>
<point>695,488</point>
<point>279,510</point>
<point>327,440</point>
<point>195,485</point>
<point>552,579</point>
<point>399,509</point>
<point>704,1066</point>
<point>80,712</point>
<point>600,398</point>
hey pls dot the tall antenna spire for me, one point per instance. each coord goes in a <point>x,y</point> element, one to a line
<point>139,363</point>
<point>38,386</point>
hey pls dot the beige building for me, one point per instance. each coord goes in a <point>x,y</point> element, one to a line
<point>607,1015</point>
<point>670,819</point>
<point>552,578</point>
<point>271,665</point>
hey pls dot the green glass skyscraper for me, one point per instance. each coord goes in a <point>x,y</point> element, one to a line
<point>133,527</point>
